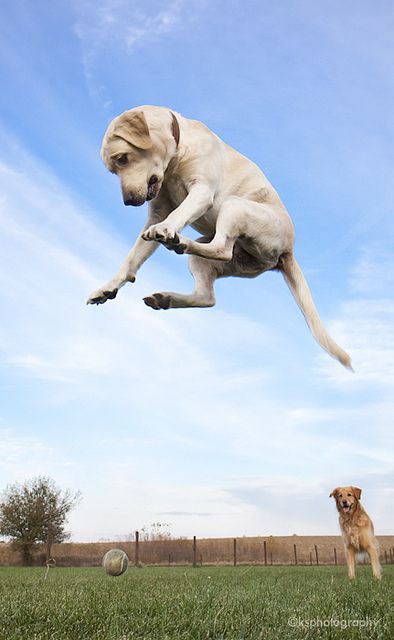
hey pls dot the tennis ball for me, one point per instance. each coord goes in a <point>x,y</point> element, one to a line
<point>115,562</point>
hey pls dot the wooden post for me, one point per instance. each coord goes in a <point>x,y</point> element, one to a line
<point>169,559</point>
<point>137,549</point>
<point>317,555</point>
<point>265,553</point>
<point>235,552</point>
<point>295,554</point>
<point>335,556</point>
<point>271,558</point>
<point>310,558</point>
<point>194,552</point>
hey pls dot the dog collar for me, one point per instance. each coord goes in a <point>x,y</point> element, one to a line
<point>175,129</point>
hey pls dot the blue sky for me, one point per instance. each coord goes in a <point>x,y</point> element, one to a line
<point>224,421</point>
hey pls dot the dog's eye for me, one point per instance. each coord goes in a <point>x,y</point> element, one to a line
<point>340,495</point>
<point>349,495</point>
<point>122,160</point>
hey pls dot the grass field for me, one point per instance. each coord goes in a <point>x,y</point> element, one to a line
<point>220,603</point>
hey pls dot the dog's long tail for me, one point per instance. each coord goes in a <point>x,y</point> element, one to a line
<point>298,286</point>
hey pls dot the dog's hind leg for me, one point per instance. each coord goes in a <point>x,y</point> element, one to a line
<point>204,273</point>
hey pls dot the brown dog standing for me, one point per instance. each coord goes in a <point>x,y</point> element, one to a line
<point>357,529</point>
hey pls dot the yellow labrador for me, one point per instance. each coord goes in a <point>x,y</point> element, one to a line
<point>193,178</point>
<point>357,529</point>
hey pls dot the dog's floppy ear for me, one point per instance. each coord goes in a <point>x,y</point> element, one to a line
<point>334,492</point>
<point>133,128</point>
<point>357,492</point>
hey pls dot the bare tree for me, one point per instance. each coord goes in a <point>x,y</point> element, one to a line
<point>36,511</point>
<point>156,531</point>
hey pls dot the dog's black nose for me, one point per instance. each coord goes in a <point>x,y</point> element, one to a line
<point>134,201</point>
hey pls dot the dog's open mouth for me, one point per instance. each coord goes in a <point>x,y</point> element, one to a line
<point>346,507</point>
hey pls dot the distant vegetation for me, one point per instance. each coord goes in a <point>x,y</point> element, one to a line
<point>35,512</point>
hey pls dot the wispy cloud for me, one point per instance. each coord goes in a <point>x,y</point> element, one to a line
<point>366,324</point>
<point>299,506</point>
<point>14,448</point>
<point>121,27</point>
<point>372,274</point>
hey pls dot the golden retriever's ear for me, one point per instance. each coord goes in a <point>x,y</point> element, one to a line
<point>334,492</point>
<point>357,492</point>
<point>133,128</point>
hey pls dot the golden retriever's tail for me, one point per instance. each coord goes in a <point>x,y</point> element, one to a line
<point>298,286</point>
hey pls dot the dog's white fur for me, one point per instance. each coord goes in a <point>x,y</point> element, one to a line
<point>357,529</point>
<point>204,183</point>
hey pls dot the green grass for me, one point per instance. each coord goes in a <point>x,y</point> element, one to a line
<point>225,603</point>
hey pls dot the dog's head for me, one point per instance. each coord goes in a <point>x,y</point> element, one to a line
<point>136,155</point>
<point>346,498</point>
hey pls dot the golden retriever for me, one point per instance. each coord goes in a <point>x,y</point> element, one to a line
<point>191,177</point>
<point>357,529</point>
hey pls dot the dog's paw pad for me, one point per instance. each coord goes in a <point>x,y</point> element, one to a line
<point>157,301</point>
<point>174,244</point>
<point>102,296</point>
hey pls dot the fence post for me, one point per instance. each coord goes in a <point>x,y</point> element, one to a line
<point>235,552</point>
<point>265,553</point>
<point>295,554</point>
<point>317,555</point>
<point>169,559</point>
<point>335,556</point>
<point>271,558</point>
<point>137,549</point>
<point>310,558</point>
<point>194,552</point>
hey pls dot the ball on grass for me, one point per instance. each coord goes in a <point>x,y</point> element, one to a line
<point>115,562</point>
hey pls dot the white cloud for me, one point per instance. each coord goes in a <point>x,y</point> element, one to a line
<point>154,26</point>
<point>290,505</point>
<point>365,325</point>
<point>372,274</point>
<point>121,26</point>
<point>14,449</point>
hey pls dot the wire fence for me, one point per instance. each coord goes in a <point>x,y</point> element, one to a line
<point>195,552</point>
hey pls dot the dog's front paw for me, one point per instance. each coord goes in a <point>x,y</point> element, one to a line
<point>102,295</point>
<point>161,232</point>
<point>167,237</point>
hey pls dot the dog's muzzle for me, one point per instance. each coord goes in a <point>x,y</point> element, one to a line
<point>137,200</point>
<point>346,506</point>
